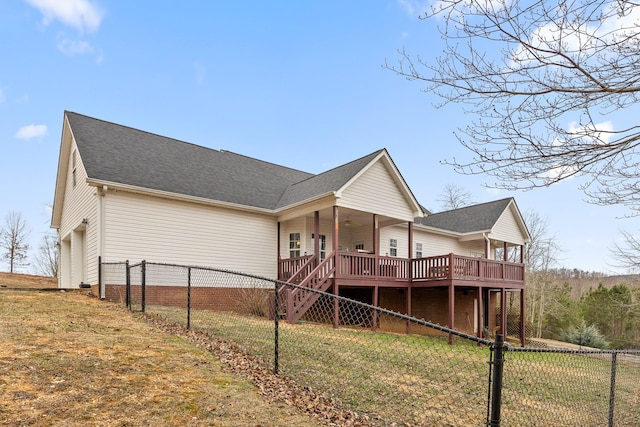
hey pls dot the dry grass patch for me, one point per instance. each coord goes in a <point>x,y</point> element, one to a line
<point>14,280</point>
<point>68,359</point>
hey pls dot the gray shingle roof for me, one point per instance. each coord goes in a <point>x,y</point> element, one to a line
<point>120,154</point>
<point>468,219</point>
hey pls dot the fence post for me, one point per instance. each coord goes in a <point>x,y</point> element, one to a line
<point>612,388</point>
<point>128,285</point>
<point>496,392</point>
<point>144,283</point>
<point>100,293</point>
<point>275,326</point>
<point>189,298</point>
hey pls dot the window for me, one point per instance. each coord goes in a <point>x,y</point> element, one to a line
<point>294,245</point>
<point>393,247</point>
<point>418,253</point>
<point>73,168</point>
<point>323,245</point>
<point>358,246</point>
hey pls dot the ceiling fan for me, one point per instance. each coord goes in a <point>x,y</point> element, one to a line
<point>348,222</point>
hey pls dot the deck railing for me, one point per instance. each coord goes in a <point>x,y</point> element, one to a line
<point>353,265</point>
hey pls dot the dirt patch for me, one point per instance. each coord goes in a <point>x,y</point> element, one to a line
<point>70,359</point>
<point>26,281</point>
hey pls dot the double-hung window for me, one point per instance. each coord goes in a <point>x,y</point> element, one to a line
<point>294,245</point>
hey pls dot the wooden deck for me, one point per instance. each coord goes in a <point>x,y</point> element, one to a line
<point>441,270</point>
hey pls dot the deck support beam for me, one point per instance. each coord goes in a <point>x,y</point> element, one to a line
<point>452,293</point>
<point>503,312</point>
<point>374,317</point>
<point>522,323</point>
<point>480,313</point>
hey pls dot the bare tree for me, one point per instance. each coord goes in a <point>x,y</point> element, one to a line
<point>46,261</point>
<point>627,253</point>
<point>541,255</point>
<point>13,240</point>
<point>548,83</point>
<point>453,197</point>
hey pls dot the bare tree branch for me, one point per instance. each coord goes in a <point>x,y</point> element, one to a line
<point>454,197</point>
<point>547,84</point>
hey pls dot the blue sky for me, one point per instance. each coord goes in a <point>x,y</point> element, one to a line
<point>295,83</point>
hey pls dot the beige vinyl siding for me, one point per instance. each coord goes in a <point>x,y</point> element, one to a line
<point>139,227</point>
<point>304,226</point>
<point>79,203</point>
<point>436,244</point>
<point>507,229</point>
<point>375,191</point>
<point>402,237</point>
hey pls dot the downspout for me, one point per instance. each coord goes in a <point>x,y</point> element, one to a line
<point>100,235</point>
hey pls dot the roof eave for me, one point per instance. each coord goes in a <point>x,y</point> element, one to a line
<point>66,141</point>
<point>176,196</point>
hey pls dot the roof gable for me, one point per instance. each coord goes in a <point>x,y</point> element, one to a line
<point>476,218</point>
<point>331,181</point>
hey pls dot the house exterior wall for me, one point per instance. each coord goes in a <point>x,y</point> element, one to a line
<point>140,227</point>
<point>437,244</point>
<point>507,229</point>
<point>374,185</point>
<point>78,241</point>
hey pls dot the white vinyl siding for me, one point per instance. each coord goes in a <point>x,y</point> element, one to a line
<point>139,227</point>
<point>375,191</point>
<point>79,203</point>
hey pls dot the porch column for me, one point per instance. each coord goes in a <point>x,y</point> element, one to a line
<point>376,235</point>
<point>522,320</point>
<point>480,314</point>
<point>521,254</point>
<point>503,312</point>
<point>505,256</point>
<point>410,239</point>
<point>335,237</point>
<point>374,317</point>
<point>278,243</point>
<point>316,234</point>
<point>451,310</point>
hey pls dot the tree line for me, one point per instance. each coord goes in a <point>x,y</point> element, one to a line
<point>14,247</point>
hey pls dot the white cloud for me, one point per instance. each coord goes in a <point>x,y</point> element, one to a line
<point>414,7</point>
<point>80,14</point>
<point>70,47</point>
<point>31,131</point>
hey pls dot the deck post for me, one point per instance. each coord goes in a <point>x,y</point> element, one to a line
<point>451,310</point>
<point>523,341</point>
<point>336,307</point>
<point>503,312</point>
<point>480,314</point>
<point>408,303</point>
<point>374,315</point>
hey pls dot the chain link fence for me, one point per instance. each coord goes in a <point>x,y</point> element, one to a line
<point>395,369</point>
